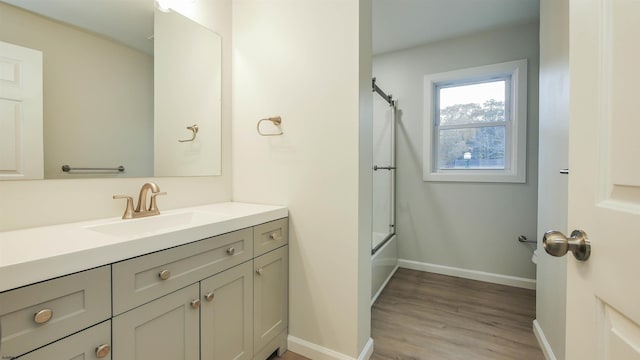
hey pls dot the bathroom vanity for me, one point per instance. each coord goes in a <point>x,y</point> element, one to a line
<point>208,282</point>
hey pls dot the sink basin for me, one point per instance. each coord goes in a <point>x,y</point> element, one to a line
<point>156,224</point>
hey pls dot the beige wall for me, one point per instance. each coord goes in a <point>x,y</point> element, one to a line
<point>469,226</point>
<point>98,96</point>
<point>554,152</point>
<point>37,203</point>
<point>301,59</point>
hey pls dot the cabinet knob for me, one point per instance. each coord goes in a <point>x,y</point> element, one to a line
<point>102,351</point>
<point>259,271</point>
<point>273,236</point>
<point>43,316</point>
<point>164,274</point>
<point>195,303</point>
<point>209,296</point>
<point>231,250</point>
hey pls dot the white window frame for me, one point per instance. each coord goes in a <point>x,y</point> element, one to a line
<point>515,129</point>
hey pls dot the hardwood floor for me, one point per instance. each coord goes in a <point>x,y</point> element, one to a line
<point>289,355</point>
<point>425,316</point>
<point>429,316</point>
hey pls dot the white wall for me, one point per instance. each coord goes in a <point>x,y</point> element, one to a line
<point>471,226</point>
<point>554,152</point>
<point>304,61</point>
<point>96,91</point>
<point>37,203</point>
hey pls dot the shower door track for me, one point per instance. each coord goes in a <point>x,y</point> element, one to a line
<point>383,242</point>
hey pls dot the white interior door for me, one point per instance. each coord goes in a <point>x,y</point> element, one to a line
<point>603,293</point>
<point>21,147</point>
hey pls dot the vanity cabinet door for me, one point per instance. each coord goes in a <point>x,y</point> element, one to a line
<point>227,314</point>
<point>167,328</point>
<point>92,343</point>
<point>271,295</point>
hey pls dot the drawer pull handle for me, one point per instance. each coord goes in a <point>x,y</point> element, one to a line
<point>195,303</point>
<point>43,316</point>
<point>274,236</point>
<point>102,351</point>
<point>164,274</point>
<point>259,271</point>
<point>209,296</point>
<point>231,250</point>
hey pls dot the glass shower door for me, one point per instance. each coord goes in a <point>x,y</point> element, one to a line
<point>383,217</point>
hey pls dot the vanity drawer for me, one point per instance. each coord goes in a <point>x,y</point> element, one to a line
<point>38,314</point>
<point>142,279</point>
<point>92,343</point>
<point>269,236</point>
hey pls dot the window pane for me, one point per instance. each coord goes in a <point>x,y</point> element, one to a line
<point>472,148</point>
<point>475,103</point>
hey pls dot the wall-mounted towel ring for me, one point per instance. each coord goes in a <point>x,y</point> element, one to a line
<point>276,120</point>
<point>193,128</point>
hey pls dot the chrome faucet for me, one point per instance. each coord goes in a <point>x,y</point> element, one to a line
<point>141,209</point>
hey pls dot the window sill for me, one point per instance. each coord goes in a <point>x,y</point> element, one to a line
<point>488,176</point>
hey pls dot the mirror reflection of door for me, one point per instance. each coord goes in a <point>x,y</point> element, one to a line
<point>21,155</point>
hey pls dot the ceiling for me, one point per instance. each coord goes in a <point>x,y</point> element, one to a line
<point>127,21</point>
<point>401,24</point>
<point>397,24</point>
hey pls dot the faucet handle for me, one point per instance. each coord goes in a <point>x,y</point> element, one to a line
<point>128,211</point>
<point>153,206</point>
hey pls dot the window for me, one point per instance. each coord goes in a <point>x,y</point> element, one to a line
<point>475,124</point>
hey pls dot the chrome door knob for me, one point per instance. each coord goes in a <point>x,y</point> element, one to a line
<point>557,244</point>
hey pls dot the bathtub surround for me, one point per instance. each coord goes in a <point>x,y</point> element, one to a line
<point>469,228</point>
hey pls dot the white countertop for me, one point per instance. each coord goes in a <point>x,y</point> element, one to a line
<point>36,254</point>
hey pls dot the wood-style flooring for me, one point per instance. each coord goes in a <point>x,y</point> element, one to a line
<point>428,316</point>
<point>289,355</point>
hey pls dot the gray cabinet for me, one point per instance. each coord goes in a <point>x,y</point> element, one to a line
<point>142,279</point>
<point>167,328</point>
<point>271,290</point>
<point>38,314</point>
<point>221,298</point>
<point>92,343</point>
<point>270,236</point>
<point>227,314</point>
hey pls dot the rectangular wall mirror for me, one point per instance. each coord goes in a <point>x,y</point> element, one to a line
<point>104,106</point>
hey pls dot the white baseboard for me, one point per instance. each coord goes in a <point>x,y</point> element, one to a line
<point>542,340</point>
<point>469,274</point>
<point>384,284</point>
<point>366,353</point>
<point>317,352</point>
